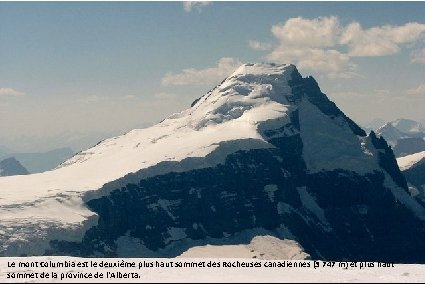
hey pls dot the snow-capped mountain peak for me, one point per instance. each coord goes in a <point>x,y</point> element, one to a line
<point>400,129</point>
<point>252,94</point>
<point>250,86</point>
<point>391,133</point>
<point>408,126</point>
<point>265,148</point>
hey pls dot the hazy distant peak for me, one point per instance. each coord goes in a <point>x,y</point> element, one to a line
<point>11,167</point>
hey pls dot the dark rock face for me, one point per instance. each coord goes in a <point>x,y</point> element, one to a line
<point>365,222</point>
<point>415,176</point>
<point>11,167</point>
<point>334,215</point>
<point>387,160</point>
<point>328,107</point>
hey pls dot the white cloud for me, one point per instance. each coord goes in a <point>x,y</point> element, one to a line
<point>311,45</point>
<point>418,56</point>
<point>418,91</point>
<point>191,76</point>
<point>329,61</point>
<point>9,92</point>
<point>379,41</point>
<point>319,44</point>
<point>165,96</point>
<point>189,5</point>
<point>299,32</point>
<point>256,45</point>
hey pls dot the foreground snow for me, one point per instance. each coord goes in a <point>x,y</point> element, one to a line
<point>264,259</point>
<point>261,247</point>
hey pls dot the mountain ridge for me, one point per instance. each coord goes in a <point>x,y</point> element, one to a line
<point>264,149</point>
<point>405,136</point>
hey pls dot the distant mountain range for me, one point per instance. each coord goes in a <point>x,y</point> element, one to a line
<point>39,162</point>
<point>404,135</point>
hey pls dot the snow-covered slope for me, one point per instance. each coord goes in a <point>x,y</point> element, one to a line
<point>391,133</point>
<point>264,149</point>
<point>407,162</point>
<point>232,112</point>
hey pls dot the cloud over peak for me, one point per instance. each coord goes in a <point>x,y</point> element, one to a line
<point>319,32</point>
<point>323,44</point>
<point>379,41</point>
<point>191,76</point>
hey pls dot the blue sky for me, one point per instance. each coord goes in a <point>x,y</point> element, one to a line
<point>75,72</point>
